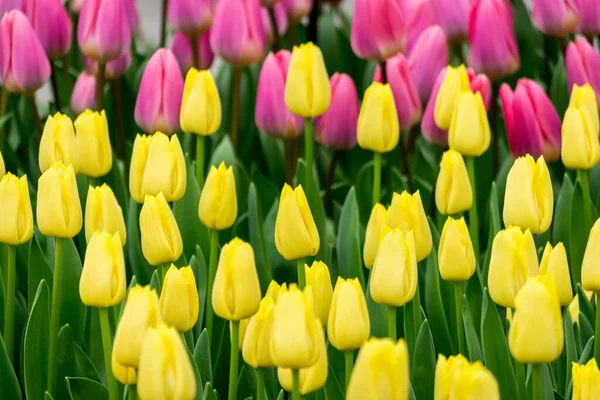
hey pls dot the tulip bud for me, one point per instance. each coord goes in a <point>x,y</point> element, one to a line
<point>179,298</point>
<point>157,166</point>
<point>84,92</point>
<point>454,82</point>
<point>427,59</point>
<point>52,24</point>
<point>555,263</point>
<point>513,260</point>
<point>140,313</point>
<point>532,123</point>
<point>536,333</point>
<point>104,31</point>
<point>378,29</point>
<point>580,130</point>
<point>58,207</point>
<point>453,17</point>
<point>201,104</point>
<point>590,273</point>
<point>190,17</point>
<point>589,17</point>
<point>378,127</point>
<point>165,370</point>
<point>103,280</point>
<point>474,381</point>
<point>469,132</point>
<point>317,276</point>
<point>480,83</point>
<point>453,192</point>
<point>24,66</point>
<point>181,46</point>
<point>377,220</point>
<point>125,375</point>
<point>255,349</point>
<point>307,90</point>
<point>348,326</point>
<point>237,34</point>
<point>586,380</point>
<point>7,5</point>
<point>115,68</point>
<point>295,338</point>
<point>407,214</point>
<point>456,259</point>
<point>58,142</point>
<point>446,372</point>
<point>555,18</point>
<point>297,9</point>
<point>103,213</point>
<point>93,144</point>
<point>420,16</point>
<point>574,306</point>
<point>281,20</point>
<point>381,370</point>
<point>218,200</point>
<point>296,234</point>
<point>17,216</point>
<point>582,63</point>
<point>161,240</point>
<point>274,291</point>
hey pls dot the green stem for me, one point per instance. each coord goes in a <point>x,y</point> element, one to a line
<point>132,392</point>
<point>583,177</point>
<point>349,358</point>
<point>392,330</point>
<point>3,106</point>
<point>597,333</point>
<point>55,313</point>
<point>93,182</point>
<point>35,115</point>
<point>100,87</point>
<point>536,382</point>
<point>260,384</point>
<point>200,143</point>
<point>308,155</point>
<point>236,82</point>
<point>301,273</point>
<point>235,355</point>
<point>473,221</point>
<point>107,348</point>
<point>296,384</point>
<point>460,333</point>
<point>212,271</point>
<point>9,306</point>
<point>376,177</point>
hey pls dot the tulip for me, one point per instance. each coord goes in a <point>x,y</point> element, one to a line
<point>555,17</point>
<point>554,262</point>
<point>428,57</point>
<point>420,17</point>
<point>83,94</point>
<point>446,372</point>
<point>381,371</point>
<point>377,221</point>
<point>125,375</point>
<point>590,274</point>
<point>480,83</point>
<point>513,260</point>
<point>532,123</point>
<point>201,104</point>
<point>190,17</point>
<point>157,166</point>
<point>348,326</point>
<point>317,276</point>
<point>580,130</point>
<point>24,66</point>
<point>52,24</point>
<point>104,32</point>
<point>456,259</point>
<point>378,29</point>
<point>140,313</point>
<point>296,234</point>
<point>237,34</point>
<point>378,129</point>
<point>453,192</point>
<point>582,63</point>
<point>103,213</point>
<point>474,381</point>
<point>297,9</point>
<point>7,5</point>
<point>454,82</point>
<point>255,348</point>
<point>453,17</point>
<point>114,69</point>
<point>408,214</point>
<point>281,20</point>
<point>58,142</point>
<point>528,200</point>
<point>574,306</point>
<point>274,291</point>
<point>469,132</point>
<point>179,298</point>
<point>586,380</point>
<point>536,333</point>
<point>58,207</point>
<point>307,89</point>
<point>165,370</point>
<point>271,115</point>
<point>161,240</point>
<point>17,215</point>
<point>159,98</point>
<point>218,201</point>
<point>181,46</point>
<point>132,15</point>
<point>589,17</point>
<point>93,144</point>
<point>431,132</point>
<point>2,166</point>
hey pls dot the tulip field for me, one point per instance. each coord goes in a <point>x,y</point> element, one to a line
<point>300,199</point>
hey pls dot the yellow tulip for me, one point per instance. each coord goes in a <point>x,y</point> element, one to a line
<point>93,144</point>
<point>513,261</point>
<point>125,375</point>
<point>140,313</point>
<point>165,370</point>
<point>381,372</point>
<point>455,81</point>
<point>103,282</point>
<point>201,104</point>
<point>103,213</point>
<point>296,234</point>
<point>446,370</point>
<point>469,132</point>
<point>456,259</point>
<point>179,298</point>
<point>274,291</point>
<point>17,215</point>
<point>377,220</point>
<point>378,128</point>
<point>58,143</point>
<point>157,165</point>
<point>161,239</point>
<point>586,381</point>
<point>218,201</point>
<point>474,382</point>
<point>2,166</point>
<point>242,332</point>
<point>453,193</point>
<point>580,129</point>
<point>555,263</point>
<point>58,207</point>
<point>318,277</point>
<point>407,214</point>
<point>348,326</point>
<point>590,273</point>
<point>294,340</point>
<point>255,348</point>
<point>307,89</point>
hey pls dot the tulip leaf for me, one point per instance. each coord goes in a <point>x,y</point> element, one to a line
<point>562,213</point>
<point>585,306</point>
<point>410,330</point>
<point>271,148</point>
<point>435,309</point>
<point>84,388</point>
<point>223,153</point>
<point>9,385</point>
<point>333,389</point>
<point>559,90</point>
<point>257,238</point>
<point>377,316</point>
<point>495,227</point>
<point>140,267</point>
<point>587,353</point>
<point>72,310</point>
<point>578,233</point>
<point>210,393</point>
<point>473,345</point>
<point>348,249</point>
<point>201,275</point>
<point>586,329</point>
<point>364,187</point>
<point>155,282</point>
<point>202,357</point>
<point>423,365</point>
<point>281,395</point>
<point>35,348</point>
<point>37,269</point>
<point>570,353</point>
<point>116,181</point>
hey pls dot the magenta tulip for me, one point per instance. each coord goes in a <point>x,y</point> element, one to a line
<point>480,83</point>
<point>114,69</point>
<point>7,5</point>
<point>76,6</point>
<point>297,9</point>
<point>191,17</point>
<point>182,49</point>
<point>427,58</point>
<point>132,15</point>
<point>453,17</point>
<point>280,17</point>
<point>555,17</point>
<point>421,16</point>
<point>52,24</point>
<point>583,65</point>
<point>83,94</point>
<point>589,17</point>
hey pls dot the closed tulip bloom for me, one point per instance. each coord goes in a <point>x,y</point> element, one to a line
<point>115,68</point>
<point>104,31</point>
<point>528,200</point>
<point>165,369</point>
<point>348,326</point>
<point>420,16</point>
<point>582,63</point>
<point>179,298</point>
<point>377,221</point>
<point>17,215</point>
<point>181,46</point>
<point>218,202</point>
<point>201,104</point>
<point>513,261</point>
<point>428,57</point>
<point>190,17</point>
<point>157,166</point>
<point>590,273</point>
<point>453,192</point>
<point>555,17</point>
<point>580,130</point>
<point>297,9</point>
<point>408,214</point>
<point>431,132</point>
<point>58,208</point>
<point>161,240</point>
<point>454,82</point>
<point>589,17</point>
<point>554,262</point>
<point>480,83</point>
<point>456,259</point>
<point>296,234</point>
<point>159,98</point>
<point>125,375</point>
<point>255,350</point>
<point>307,89</point>
<point>574,306</point>
<point>275,290</point>
<point>536,333</point>
<point>52,24</point>
<point>103,213</point>
<point>381,371</point>
<point>446,372</point>
<point>84,91</point>
<point>586,380</point>
<point>2,166</point>
<point>469,132</point>
<point>281,20</point>
<point>93,144</point>
<point>453,17</point>
<point>7,5</point>
<point>318,277</point>
<point>378,127</point>
<point>58,142</point>
<point>474,382</point>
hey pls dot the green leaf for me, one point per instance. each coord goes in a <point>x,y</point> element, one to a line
<point>423,365</point>
<point>495,227</point>
<point>587,353</point>
<point>586,329</point>
<point>200,270</point>
<point>348,248</point>
<point>35,347</point>
<point>316,208</point>
<point>435,309</point>
<point>562,213</point>
<point>116,181</point>
<point>85,389</point>
<point>210,393</point>
<point>72,310</point>
<point>473,345</point>
<point>9,385</point>
<point>37,269</point>
<point>377,316</point>
<point>139,265</point>
<point>223,153</point>
<point>257,238</point>
<point>585,306</point>
<point>202,357</point>
<point>333,389</point>
<point>559,90</point>
<point>570,350</point>
<point>578,233</point>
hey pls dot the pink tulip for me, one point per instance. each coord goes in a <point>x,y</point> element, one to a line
<point>297,9</point>
<point>182,49</point>
<point>589,17</point>
<point>24,66</point>
<point>280,17</point>
<point>114,68</point>
<point>336,128</point>
<point>132,14</point>
<point>555,17</point>
<point>583,65</point>
<point>237,34</point>
<point>378,29</point>
<point>271,115</point>
<point>7,5</point>
<point>191,17</point>
<point>83,96</point>
<point>428,57</point>
<point>480,83</point>
<point>421,16</point>
<point>532,123</point>
<point>104,31</point>
<point>76,6</point>
<point>453,17</point>
<point>52,24</point>
<point>159,98</point>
